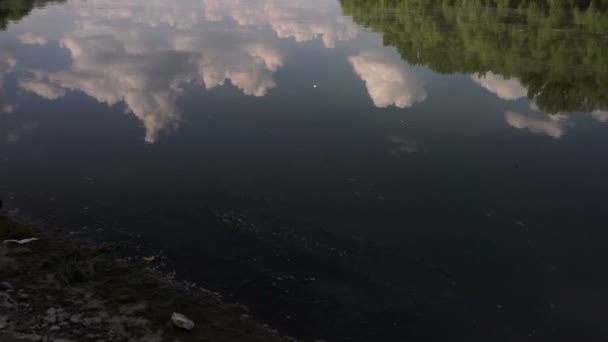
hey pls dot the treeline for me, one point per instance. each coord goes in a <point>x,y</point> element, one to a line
<point>558,49</point>
<point>14,10</point>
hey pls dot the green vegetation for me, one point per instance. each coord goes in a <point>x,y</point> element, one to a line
<point>14,10</point>
<point>558,49</point>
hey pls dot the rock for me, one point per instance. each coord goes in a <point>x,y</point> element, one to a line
<point>27,337</point>
<point>91,321</point>
<point>75,319</point>
<point>182,321</point>
<point>3,322</point>
<point>51,316</point>
<point>117,332</point>
<point>133,322</point>
<point>4,286</point>
<point>55,328</point>
<point>6,301</point>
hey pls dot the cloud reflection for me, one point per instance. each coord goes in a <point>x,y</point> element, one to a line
<point>600,115</point>
<point>553,125</point>
<point>504,88</point>
<point>300,20</point>
<point>143,53</point>
<point>389,80</point>
<point>32,39</point>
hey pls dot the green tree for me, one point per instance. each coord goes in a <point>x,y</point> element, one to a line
<point>15,10</point>
<point>558,49</point>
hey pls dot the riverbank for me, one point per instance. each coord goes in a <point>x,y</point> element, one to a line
<point>57,288</point>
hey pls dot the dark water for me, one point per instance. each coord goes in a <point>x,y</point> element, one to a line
<point>352,171</point>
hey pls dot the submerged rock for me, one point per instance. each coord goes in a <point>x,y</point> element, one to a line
<point>182,321</point>
<point>6,301</point>
<point>91,321</point>
<point>27,337</point>
<point>51,316</point>
<point>117,332</point>
<point>75,319</point>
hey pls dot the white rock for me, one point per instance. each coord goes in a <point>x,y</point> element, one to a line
<point>182,321</point>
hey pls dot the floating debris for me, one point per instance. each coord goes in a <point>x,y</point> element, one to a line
<point>149,258</point>
<point>24,241</point>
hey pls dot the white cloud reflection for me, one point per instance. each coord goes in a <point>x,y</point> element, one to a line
<point>300,20</point>
<point>141,54</point>
<point>32,39</point>
<point>552,125</point>
<point>504,88</point>
<point>389,81</point>
<point>600,115</point>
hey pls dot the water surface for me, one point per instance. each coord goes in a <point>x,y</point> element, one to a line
<point>351,170</point>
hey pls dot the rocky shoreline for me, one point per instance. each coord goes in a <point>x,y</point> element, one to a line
<point>54,287</point>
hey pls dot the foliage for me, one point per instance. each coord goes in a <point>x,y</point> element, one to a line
<point>15,10</point>
<point>558,49</point>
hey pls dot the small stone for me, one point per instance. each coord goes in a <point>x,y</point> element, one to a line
<point>51,311</point>
<point>51,319</point>
<point>4,286</point>
<point>182,321</point>
<point>133,322</point>
<point>6,301</point>
<point>55,328</point>
<point>27,337</point>
<point>91,321</point>
<point>117,332</point>
<point>75,319</point>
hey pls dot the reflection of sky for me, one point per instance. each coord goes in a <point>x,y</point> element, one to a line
<point>389,82</point>
<point>506,89</point>
<point>554,125</point>
<point>7,65</point>
<point>144,52</point>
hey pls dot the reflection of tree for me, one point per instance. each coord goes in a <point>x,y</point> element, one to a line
<point>13,10</point>
<point>557,49</point>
